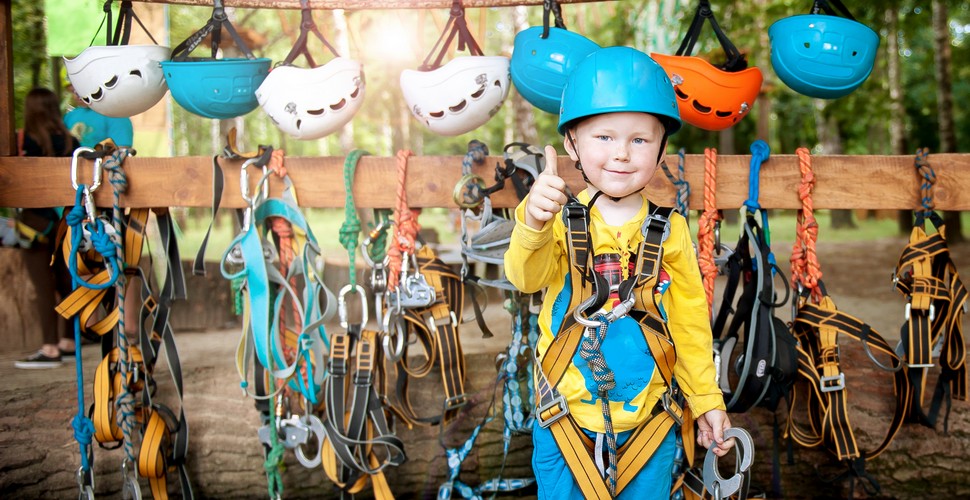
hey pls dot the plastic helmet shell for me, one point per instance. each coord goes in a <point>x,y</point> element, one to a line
<point>310,103</point>
<point>709,97</point>
<point>619,79</point>
<point>458,97</point>
<point>220,88</point>
<point>119,80</point>
<point>540,66</point>
<point>822,56</point>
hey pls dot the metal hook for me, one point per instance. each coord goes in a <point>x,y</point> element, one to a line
<point>713,481</point>
<point>95,171</point>
<point>342,305</point>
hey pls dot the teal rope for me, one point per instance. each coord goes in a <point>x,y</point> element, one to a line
<point>350,229</point>
<point>274,458</point>
<point>125,402</point>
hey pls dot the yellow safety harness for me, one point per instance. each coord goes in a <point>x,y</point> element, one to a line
<point>638,300</point>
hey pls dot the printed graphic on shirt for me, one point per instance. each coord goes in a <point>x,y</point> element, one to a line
<point>628,356</point>
<point>560,306</point>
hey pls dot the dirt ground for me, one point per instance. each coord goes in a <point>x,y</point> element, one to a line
<point>38,454</point>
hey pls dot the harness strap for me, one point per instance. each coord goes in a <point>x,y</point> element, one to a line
<point>817,327</point>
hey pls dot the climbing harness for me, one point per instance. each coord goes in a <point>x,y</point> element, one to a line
<point>359,443</point>
<point>936,302</point>
<point>584,329</point>
<point>821,389</point>
<point>754,351</point>
<point>108,257</point>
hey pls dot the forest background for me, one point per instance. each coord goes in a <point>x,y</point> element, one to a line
<point>912,99</point>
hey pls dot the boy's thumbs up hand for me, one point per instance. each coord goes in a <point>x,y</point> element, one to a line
<point>548,194</point>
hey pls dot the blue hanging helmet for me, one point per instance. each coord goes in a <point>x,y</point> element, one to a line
<point>210,87</point>
<point>540,65</point>
<point>820,55</point>
<point>223,88</point>
<point>618,79</point>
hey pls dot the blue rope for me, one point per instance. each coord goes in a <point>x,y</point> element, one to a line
<point>679,182</point>
<point>100,239</point>
<point>590,351</point>
<point>477,152</point>
<point>83,426</point>
<point>759,154</point>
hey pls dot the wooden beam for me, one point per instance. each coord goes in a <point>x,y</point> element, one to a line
<point>362,4</point>
<point>872,182</point>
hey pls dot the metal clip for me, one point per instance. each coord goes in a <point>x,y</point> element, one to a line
<point>909,307</point>
<point>95,172</point>
<point>833,383</point>
<point>342,305</point>
<point>315,426</point>
<point>654,217</point>
<point>85,484</point>
<point>672,408</point>
<point>719,486</point>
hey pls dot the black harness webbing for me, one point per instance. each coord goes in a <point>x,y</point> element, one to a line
<point>927,276</point>
<point>637,299</point>
<point>756,351</point>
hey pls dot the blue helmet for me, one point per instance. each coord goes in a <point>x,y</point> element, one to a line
<point>222,88</point>
<point>539,66</point>
<point>616,79</point>
<point>822,56</point>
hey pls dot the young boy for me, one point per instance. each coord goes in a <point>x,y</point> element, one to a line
<point>609,324</point>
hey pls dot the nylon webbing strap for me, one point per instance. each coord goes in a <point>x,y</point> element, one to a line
<point>934,313</point>
<point>817,328</point>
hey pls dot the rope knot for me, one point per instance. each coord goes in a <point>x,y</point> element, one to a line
<point>76,216</point>
<point>83,429</point>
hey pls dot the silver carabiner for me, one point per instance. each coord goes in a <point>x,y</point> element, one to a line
<point>244,183</point>
<point>95,171</point>
<point>342,305</point>
<point>578,316</point>
<point>724,488</point>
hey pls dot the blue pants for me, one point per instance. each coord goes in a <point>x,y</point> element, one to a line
<point>555,481</point>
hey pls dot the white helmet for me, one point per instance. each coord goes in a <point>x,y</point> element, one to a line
<point>316,102</point>
<point>119,80</point>
<point>459,96</point>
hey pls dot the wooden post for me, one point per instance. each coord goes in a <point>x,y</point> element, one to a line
<point>8,144</point>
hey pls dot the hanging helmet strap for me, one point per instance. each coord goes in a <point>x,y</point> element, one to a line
<point>307,26</point>
<point>551,7</point>
<point>735,60</point>
<point>832,8</point>
<point>456,25</point>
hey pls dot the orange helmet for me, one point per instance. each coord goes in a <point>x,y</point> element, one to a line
<point>709,97</point>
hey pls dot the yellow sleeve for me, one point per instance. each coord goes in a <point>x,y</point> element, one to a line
<point>688,321</point>
<point>531,261</point>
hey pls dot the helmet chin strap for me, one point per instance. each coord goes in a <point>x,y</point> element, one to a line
<point>579,166</point>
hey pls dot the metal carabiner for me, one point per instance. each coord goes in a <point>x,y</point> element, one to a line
<point>85,484</point>
<point>342,305</point>
<point>578,316</point>
<point>724,488</point>
<point>129,487</point>
<point>244,183</point>
<point>393,353</point>
<point>95,171</point>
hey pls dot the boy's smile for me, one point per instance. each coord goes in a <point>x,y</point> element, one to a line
<point>619,152</point>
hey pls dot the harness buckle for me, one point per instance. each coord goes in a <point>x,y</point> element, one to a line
<point>672,408</point>
<point>832,383</point>
<point>548,413</point>
<point>909,307</point>
<point>660,220</point>
<point>455,402</point>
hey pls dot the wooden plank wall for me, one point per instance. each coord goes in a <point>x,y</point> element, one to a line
<point>871,182</point>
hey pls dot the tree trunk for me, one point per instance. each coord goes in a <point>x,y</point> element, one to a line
<point>897,112</point>
<point>944,108</point>
<point>827,131</point>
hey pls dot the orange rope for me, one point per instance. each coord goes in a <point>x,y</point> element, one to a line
<point>707,223</point>
<point>286,243</point>
<point>805,268</point>
<point>406,221</point>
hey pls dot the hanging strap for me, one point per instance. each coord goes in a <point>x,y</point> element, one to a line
<point>832,8</point>
<point>456,25</point>
<point>307,26</point>
<point>213,27</point>
<point>709,228</point>
<point>735,60</point>
<point>551,7</point>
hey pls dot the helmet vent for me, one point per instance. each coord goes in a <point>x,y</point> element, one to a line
<point>339,105</point>
<point>112,82</point>
<point>478,93</point>
<point>315,112</point>
<point>700,107</point>
<point>135,72</point>
<point>458,107</point>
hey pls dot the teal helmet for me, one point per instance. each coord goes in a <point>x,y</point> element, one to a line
<point>617,79</point>
<point>540,65</point>
<point>822,56</point>
<point>216,88</point>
